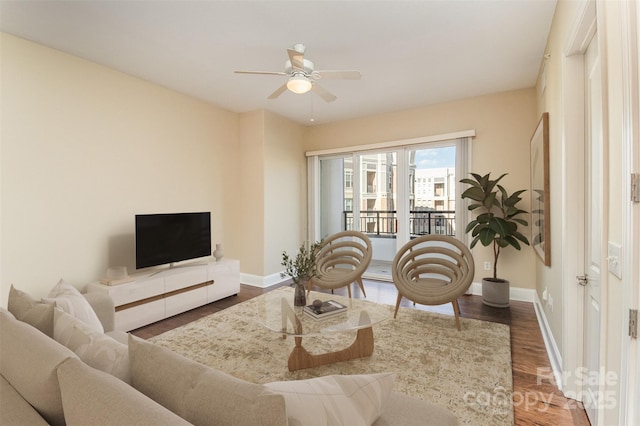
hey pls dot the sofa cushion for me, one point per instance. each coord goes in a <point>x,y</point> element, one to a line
<point>28,360</point>
<point>200,394</point>
<point>336,400</point>
<point>66,297</point>
<point>95,348</point>
<point>409,411</point>
<point>102,305</point>
<point>15,410</point>
<point>119,336</point>
<point>92,397</point>
<point>7,313</point>
<point>31,310</point>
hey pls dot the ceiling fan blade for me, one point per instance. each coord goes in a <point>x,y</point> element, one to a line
<point>297,59</point>
<point>323,93</point>
<point>279,91</point>
<point>261,72</point>
<point>343,75</point>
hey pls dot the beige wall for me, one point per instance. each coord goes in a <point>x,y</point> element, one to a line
<point>285,191</point>
<point>272,195</point>
<point>551,101</point>
<point>504,123</point>
<point>250,197</point>
<point>85,148</point>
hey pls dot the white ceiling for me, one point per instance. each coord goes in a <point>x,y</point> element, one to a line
<point>410,53</point>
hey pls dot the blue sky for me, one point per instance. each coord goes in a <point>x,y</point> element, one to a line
<point>436,157</point>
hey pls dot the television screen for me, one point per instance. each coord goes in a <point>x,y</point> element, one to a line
<point>171,237</point>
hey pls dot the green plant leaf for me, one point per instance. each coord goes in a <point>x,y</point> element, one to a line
<point>521,237</point>
<point>470,182</point>
<point>489,201</point>
<point>500,226</point>
<point>496,221</point>
<point>520,221</point>
<point>484,217</point>
<point>477,177</point>
<point>487,236</point>
<point>513,242</point>
<point>492,183</point>
<point>503,242</point>
<point>475,193</point>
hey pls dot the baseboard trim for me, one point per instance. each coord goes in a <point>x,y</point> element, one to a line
<point>553,352</point>
<point>261,281</point>
<point>515,293</point>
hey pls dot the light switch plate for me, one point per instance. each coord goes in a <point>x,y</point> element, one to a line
<point>615,259</point>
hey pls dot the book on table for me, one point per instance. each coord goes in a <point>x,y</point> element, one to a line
<point>329,308</point>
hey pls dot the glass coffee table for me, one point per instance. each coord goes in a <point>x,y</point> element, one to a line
<point>277,314</point>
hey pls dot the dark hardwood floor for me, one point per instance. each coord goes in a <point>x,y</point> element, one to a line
<point>537,400</point>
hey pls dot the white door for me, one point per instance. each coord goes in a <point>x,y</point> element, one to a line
<point>593,228</point>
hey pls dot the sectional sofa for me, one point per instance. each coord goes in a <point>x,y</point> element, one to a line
<point>61,362</point>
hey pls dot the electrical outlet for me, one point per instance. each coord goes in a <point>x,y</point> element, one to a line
<point>545,294</point>
<point>487,266</point>
<point>550,302</point>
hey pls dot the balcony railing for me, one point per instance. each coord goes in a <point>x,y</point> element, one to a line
<point>384,223</point>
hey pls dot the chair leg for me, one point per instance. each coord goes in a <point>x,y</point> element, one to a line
<point>456,312</point>
<point>361,284</point>
<point>398,300</point>
<point>349,290</point>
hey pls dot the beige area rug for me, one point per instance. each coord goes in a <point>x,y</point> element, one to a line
<point>468,371</point>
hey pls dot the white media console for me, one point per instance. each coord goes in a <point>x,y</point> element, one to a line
<point>156,295</point>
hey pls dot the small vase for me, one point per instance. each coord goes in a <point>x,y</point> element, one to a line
<point>218,252</point>
<point>300,295</point>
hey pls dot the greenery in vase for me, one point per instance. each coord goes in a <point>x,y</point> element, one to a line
<point>302,267</point>
<point>498,220</point>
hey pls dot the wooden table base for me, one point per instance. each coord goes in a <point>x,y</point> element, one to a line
<point>361,347</point>
<point>300,358</point>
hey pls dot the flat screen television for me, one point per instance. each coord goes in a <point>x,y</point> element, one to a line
<point>171,237</point>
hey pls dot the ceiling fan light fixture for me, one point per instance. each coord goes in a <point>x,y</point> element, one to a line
<point>299,84</point>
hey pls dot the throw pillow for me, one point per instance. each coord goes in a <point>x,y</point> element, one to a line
<point>66,297</point>
<point>335,400</point>
<point>199,394</point>
<point>29,363</point>
<point>30,310</point>
<point>96,349</point>
<point>91,397</point>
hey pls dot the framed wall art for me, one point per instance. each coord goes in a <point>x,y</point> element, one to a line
<point>540,213</point>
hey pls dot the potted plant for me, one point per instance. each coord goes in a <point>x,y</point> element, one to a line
<point>301,269</point>
<point>497,225</point>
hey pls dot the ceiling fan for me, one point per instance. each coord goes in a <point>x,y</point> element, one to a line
<point>303,77</point>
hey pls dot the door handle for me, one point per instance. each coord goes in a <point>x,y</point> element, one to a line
<point>583,280</point>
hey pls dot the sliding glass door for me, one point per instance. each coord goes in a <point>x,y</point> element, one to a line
<point>377,199</point>
<point>391,195</point>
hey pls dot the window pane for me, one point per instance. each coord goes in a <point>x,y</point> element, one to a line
<point>432,183</point>
<point>378,195</point>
